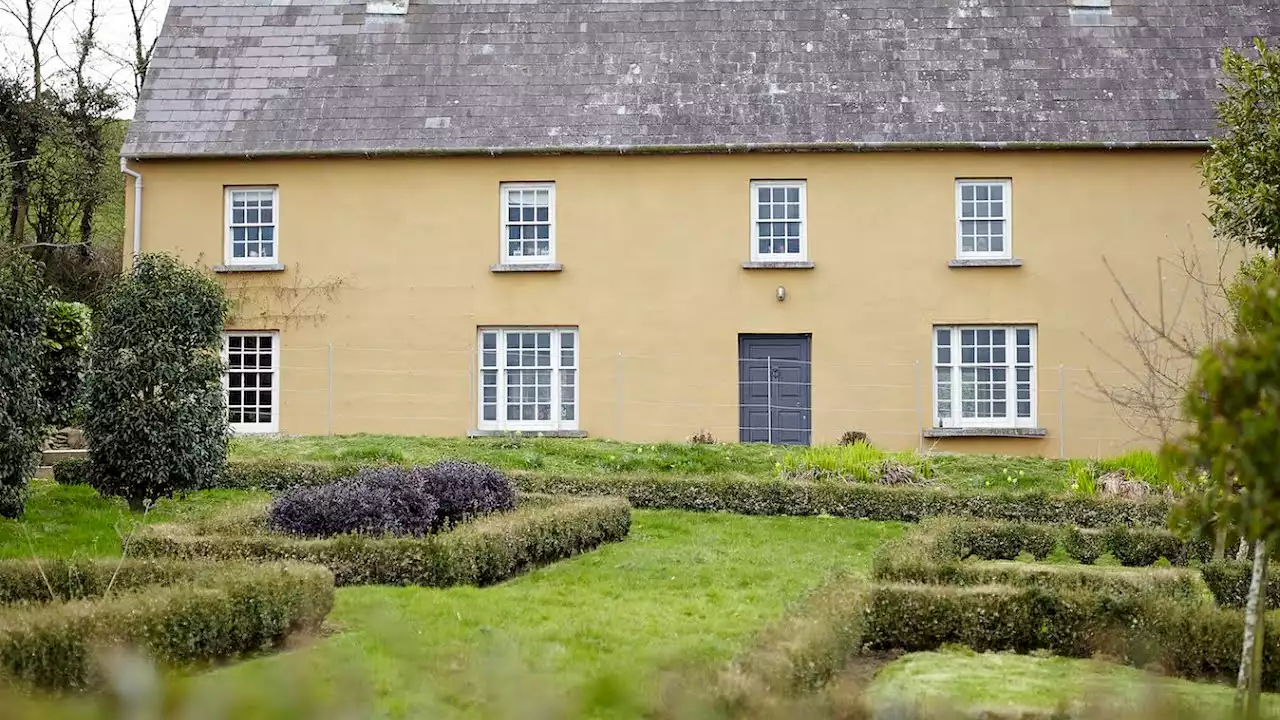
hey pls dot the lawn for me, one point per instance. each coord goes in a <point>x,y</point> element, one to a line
<point>603,457</point>
<point>595,636</point>
<point>67,520</point>
<point>1010,684</point>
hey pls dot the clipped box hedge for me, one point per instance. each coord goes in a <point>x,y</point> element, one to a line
<point>1196,641</point>
<point>177,613</point>
<point>749,497</point>
<point>1175,583</point>
<point>480,552</point>
<point>803,650</point>
<point>955,539</point>
<point>1229,581</point>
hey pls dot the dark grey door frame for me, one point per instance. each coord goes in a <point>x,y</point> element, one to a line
<point>775,388</point>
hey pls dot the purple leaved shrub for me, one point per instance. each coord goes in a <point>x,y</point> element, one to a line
<point>466,490</point>
<point>394,500</point>
<point>375,501</point>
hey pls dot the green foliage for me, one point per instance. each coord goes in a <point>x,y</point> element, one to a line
<point>1084,479</point>
<point>481,552</point>
<point>175,615</point>
<point>1241,169</point>
<point>1082,546</point>
<point>800,653</point>
<point>857,462</point>
<point>1183,639</point>
<point>155,413</point>
<point>751,497</point>
<point>22,307</point>
<point>1228,580</point>
<point>912,567</point>
<point>1141,465</point>
<point>1233,409</point>
<point>951,540</point>
<point>66,349</point>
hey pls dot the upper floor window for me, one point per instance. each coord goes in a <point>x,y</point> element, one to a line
<point>252,215</point>
<point>251,380</point>
<point>528,379</point>
<point>982,219</point>
<point>984,376</point>
<point>528,222</point>
<point>777,220</point>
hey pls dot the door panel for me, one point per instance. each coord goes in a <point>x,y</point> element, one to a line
<point>774,389</point>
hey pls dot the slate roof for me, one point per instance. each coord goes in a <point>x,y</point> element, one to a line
<point>270,77</point>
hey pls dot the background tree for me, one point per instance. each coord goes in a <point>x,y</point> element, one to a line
<point>1233,407</point>
<point>155,417</point>
<point>66,351</point>
<point>22,307</point>
<point>1233,403</point>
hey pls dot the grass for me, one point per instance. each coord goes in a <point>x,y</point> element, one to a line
<point>62,520</point>
<point>602,457</point>
<point>549,455</point>
<point>594,636</point>
<point>1010,684</point>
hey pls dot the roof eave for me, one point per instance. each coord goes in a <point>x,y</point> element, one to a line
<point>675,149</point>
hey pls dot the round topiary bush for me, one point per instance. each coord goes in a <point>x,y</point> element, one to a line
<point>155,415</point>
<point>22,309</point>
<point>377,501</point>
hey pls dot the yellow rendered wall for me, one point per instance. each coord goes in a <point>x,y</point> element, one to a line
<point>652,248</point>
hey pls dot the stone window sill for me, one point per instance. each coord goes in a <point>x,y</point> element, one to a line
<point>527,433</point>
<point>777,265</point>
<point>264,267</point>
<point>986,432</point>
<point>984,262</point>
<point>525,267</point>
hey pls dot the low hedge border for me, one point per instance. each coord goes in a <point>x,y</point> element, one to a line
<point>748,497</point>
<point>177,613</point>
<point>1174,583</point>
<point>1229,580</point>
<point>481,552</point>
<point>954,539</point>
<point>805,649</point>
<point>1182,639</point>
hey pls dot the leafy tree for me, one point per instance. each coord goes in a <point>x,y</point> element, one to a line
<point>155,418</point>
<point>1232,450</point>
<point>66,347</point>
<point>1233,407</point>
<point>22,307</point>
<point>1242,171</point>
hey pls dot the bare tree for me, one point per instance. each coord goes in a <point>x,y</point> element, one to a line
<point>1163,337</point>
<point>141,13</point>
<point>37,19</point>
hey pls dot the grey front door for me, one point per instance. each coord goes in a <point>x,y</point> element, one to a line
<point>773,389</point>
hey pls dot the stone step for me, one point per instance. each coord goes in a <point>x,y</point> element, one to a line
<point>44,472</point>
<point>50,457</point>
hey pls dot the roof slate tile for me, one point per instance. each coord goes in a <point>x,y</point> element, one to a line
<point>257,77</point>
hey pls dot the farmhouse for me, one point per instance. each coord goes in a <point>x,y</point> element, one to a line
<point>772,222</point>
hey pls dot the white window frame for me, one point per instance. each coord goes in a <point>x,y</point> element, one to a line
<point>557,367</point>
<point>244,428</point>
<point>756,255</point>
<point>1007,218</point>
<point>229,257</point>
<point>504,223</point>
<point>1010,419</point>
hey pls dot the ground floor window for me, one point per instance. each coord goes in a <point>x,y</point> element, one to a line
<point>251,380</point>
<point>984,376</point>
<point>528,379</point>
